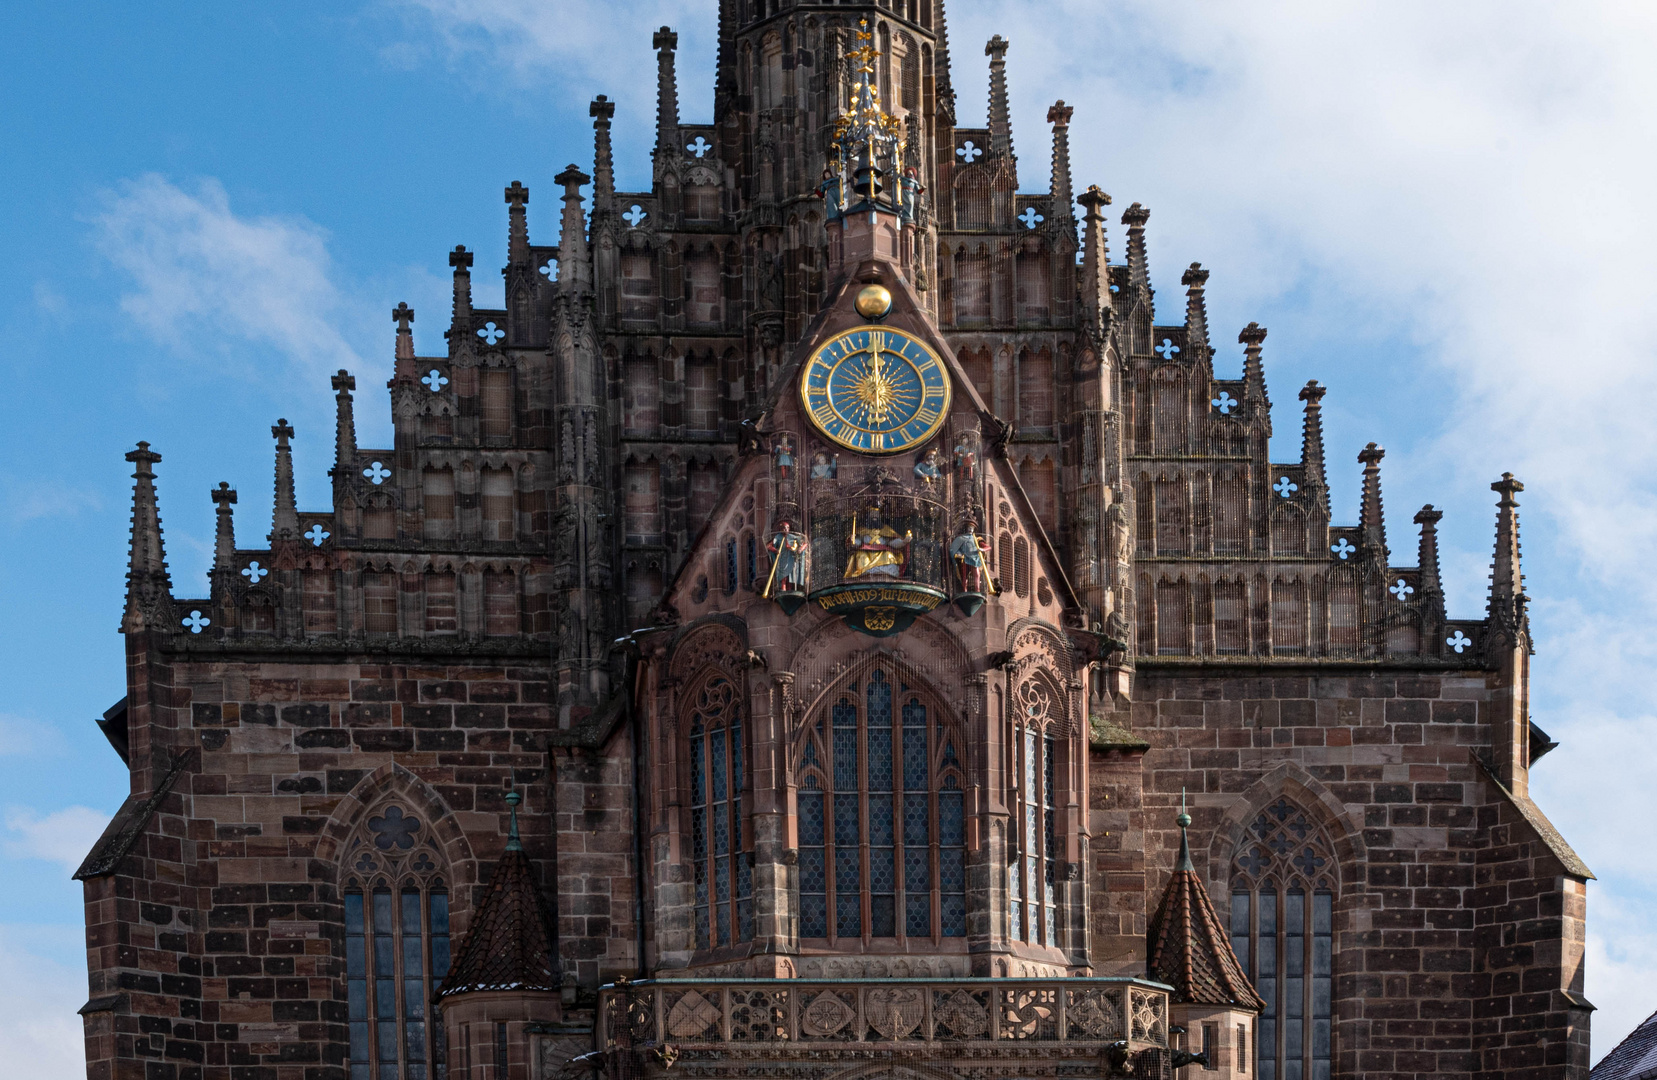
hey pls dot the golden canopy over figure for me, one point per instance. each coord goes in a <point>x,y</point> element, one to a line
<point>877,549</point>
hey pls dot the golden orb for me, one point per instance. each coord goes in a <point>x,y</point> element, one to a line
<point>873,301</point>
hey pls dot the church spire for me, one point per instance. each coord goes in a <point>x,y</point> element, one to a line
<point>403,316</point>
<point>665,42</point>
<point>1252,337</point>
<point>224,532</point>
<point>1001,121</point>
<point>149,586</point>
<point>284,522</point>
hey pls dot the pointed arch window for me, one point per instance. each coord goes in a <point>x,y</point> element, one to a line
<point>724,870</point>
<point>396,949</point>
<point>1033,855</point>
<point>1283,887</point>
<point>882,817</point>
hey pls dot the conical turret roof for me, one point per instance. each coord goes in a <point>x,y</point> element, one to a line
<point>1188,948</point>
<point>509,945</point>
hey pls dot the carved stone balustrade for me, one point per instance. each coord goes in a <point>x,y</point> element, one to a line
<point>820,1027</point>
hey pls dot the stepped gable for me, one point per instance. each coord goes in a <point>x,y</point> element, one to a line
<point>509,945</point>
<point>1187,945</point>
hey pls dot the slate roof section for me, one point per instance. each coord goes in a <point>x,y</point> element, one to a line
<point>1635,1058</point>
<point>1189,947</point>
<point>509,945</point>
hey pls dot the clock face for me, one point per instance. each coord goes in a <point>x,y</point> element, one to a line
<point>876,390</point>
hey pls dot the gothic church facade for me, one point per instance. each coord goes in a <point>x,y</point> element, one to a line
<point>826,624</point>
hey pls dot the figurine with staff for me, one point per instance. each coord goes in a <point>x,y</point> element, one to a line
<point>787,549</point>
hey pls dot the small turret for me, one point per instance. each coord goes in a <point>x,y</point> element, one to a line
<point>284,522</point>
<point>665,42</point>
<point>222,576</point>
<point>1429,590</point>
<point>1001,121</point>
<point>1189,949</point>
<point>1372,524</point>
<point>505,976</point>
<point>149,586</point>
<point>1506,581</point>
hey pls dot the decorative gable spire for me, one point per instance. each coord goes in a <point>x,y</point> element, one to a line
<point>1311,438</point>
<point>1252,337</point>
<point>1001,122</point>
<point>284,522</point>
<point>1195,279</point>
<point>149,586</point>
<point>224,532</point>
<point>1062,216</point>
<point>345,423</point>
<point>460,319</point>
<point>1188,947</point>
<point>517,224</point>
<point>1372,524</point>
<point>1139,271</point>
<point>509,945</point>
<point>574,273</point>
<point>403,316</point>
<point>602,110</point>
<point>1095,285</point>
<point>665,42</point>
<point>1507,582</point>
<point>1430,592</point>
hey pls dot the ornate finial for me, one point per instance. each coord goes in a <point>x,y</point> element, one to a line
<point>403,316</point>
<point>460,259</point>
<point>1194,278</point>
<point>867,145</point>
<point>865,52</point>
<point>1135,216</point>
<point>1253,335</point>
<point>1059,114</point>
<point>283,432</point>
<point>1093,198</point>
<point>512,841</point>
<point>1184,823</point>
<point>602,109</point>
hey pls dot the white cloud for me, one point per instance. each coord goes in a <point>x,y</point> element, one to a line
<point>23,736</point>
<point>38,996</point>
<point>29,500</point>
<point>206,278</point>
<point>574,50</point>
<point>63,836</point>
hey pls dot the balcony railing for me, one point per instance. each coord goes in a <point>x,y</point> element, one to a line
<point>676,1017</point>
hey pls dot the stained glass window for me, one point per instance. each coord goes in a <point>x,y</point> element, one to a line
<point>882,828</point>
<point>1033,858</point>
<point>723,874</point>
<point>1282,921</point>
<point>396,955</point>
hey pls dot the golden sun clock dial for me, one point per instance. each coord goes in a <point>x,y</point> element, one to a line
<point>876,390</point>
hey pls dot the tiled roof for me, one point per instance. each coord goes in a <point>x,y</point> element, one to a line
<point>1189,949</point>
<point>509,944</point>
<point>1635,1058</point>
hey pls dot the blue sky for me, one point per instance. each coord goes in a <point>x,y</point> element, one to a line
<point>1442,215</point>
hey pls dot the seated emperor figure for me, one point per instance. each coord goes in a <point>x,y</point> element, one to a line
<point>877,549</point>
